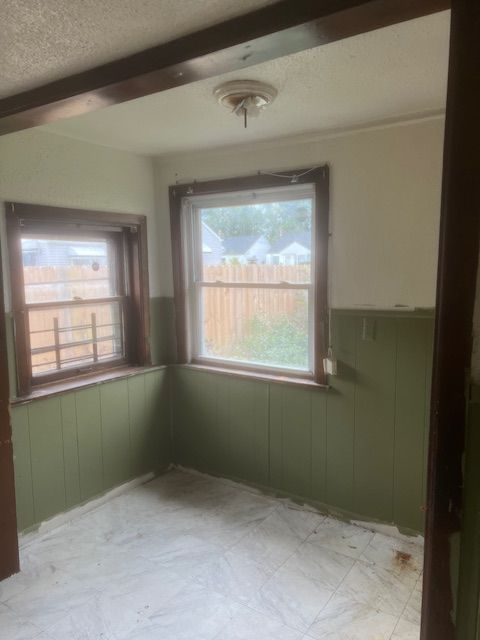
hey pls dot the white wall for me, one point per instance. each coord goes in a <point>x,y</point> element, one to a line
<point>44,168</point>
<point>385,206</point>
<point>385,198</point>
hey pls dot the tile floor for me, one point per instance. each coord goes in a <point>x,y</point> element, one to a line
<point>189,557</point>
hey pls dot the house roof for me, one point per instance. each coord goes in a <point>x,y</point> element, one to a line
<point>238,245</point>
<point>209,229</point>
<point>303,238</point>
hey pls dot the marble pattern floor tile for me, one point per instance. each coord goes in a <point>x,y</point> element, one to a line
<point>13,627</point>
<point>188,557</point>
<point>328,568</point>
<point>196,613</point>
<point>292,598</point>
<point>29,575</point>
<point>346,619</point>
<point>393,554</point>
<point>412,612</point>
<point>341,537</point>
<point>406,630</point>
<point>377,587</point>
<point>234,575</point>
<point>48,599</point>
<point>251,625</point>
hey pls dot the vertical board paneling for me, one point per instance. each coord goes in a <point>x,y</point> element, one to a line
<point>23,468</point>
<point>240,427</point>
<point>161,380</point>
<point>206,405</point>
<point>46,445</point>
<point>226,457</point>
<point>117,466</point>
<point>139,424</point>
<point>89,429</point>
<point>275,435</point>
<point>155,433</point>
<point>248,429</point>
<point>341,415</point>
<point>374,420</point>
<point>297,441</point>
<point>70,449</point>
<point>357,446</point>
<point>410,408</point>
<point>345,446</point>
<point>196,408</point>
<point>183,417</point>
<point>319,446</point>
<point>75,446</point>
<point>260,432</point>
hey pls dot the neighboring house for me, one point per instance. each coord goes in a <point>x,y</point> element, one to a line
<point>245,249</point>
<point>62,253</point>
<point>212,246</point>
<point>291,248</point>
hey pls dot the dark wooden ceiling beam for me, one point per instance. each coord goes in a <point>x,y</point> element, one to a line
<point>280,29</point>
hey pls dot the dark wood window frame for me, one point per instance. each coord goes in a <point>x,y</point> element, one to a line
<point>131,245</point>
<point>319,177</point>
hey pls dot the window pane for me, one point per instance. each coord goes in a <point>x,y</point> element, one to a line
<point>62,268</point>
<point>260,326</point>
<point>261,242</point>
<point>74,336</point>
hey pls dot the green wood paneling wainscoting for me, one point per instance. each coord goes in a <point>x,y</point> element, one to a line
<point>358,448</point>
<point>75,446</point>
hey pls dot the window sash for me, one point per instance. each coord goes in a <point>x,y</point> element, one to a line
<point>224,284</point>
<point>130,318</point>
<point>193,258</point>
<point>119,272</point>
<point>197,332</point>
<point>95,360</point>
<point>72,303</point>
<point>183,197</point>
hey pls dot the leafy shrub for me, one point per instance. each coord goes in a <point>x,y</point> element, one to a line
<point>279,341</point>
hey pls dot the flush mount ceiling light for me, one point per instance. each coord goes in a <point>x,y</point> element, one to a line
<point>245,98</point>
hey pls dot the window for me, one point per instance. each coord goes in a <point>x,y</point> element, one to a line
<point>79,291</point>
<point>250,258</point>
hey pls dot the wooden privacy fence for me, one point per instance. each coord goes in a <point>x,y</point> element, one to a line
<point>228,312</point>
<point>77,280</point>
<point>76,334</point>
<point>298,273</point>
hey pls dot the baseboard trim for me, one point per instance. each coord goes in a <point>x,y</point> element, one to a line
<point>299,502</point>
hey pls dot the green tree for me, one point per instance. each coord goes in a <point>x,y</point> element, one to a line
<point>271,219</point>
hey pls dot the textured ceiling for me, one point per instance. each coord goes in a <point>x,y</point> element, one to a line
<point>394,72</point>
<point>43,40</point>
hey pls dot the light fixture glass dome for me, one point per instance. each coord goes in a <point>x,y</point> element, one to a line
<point>245,98</point>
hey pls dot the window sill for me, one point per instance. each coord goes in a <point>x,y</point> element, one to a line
<point>255,375</point>
<point>82,382</point>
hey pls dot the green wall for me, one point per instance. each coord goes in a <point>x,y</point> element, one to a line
<point>358,447</point>
<point>75,446</point>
